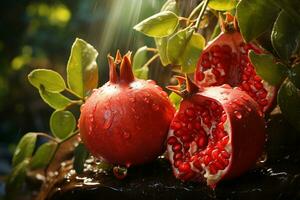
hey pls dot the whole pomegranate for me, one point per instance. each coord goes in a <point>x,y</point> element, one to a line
<point>126,121</point>
<point>217,133</point>
<point>225,60</point>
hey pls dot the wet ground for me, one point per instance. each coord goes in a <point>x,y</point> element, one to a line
<point>278,178</point>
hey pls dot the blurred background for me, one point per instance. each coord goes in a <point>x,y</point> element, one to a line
<point>39,34</point>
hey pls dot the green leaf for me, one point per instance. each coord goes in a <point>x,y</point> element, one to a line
<point>139,60</point>
<point>175,99</point>
<point>191,53</point>
<point>170,5</point>
<point>258,11</point>
<point>82,70</point>
<point>24,149</point>
<point>222,5</point>
<point>17,176</point>
<point>184,49</point>
<point>266,67</point>
<point>62,123</point>
<point>285,36</point>
<point>161,44</point>
<point>55,100</point>
<point>289,101</point>
<point>294,75</point>
<point>43,155</point>
<point>177,44</point>
<point>51,80</point>
<point>80,155</point>
<point>159,25</point>
<point>292,8</point>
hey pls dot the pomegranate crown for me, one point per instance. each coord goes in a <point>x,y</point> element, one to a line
<point>185,86</point>
<point>120,70</point>
<point>229,24</point>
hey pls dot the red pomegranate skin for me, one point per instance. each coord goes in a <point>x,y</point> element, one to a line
<point>126,121</point>
<point>244,134</point>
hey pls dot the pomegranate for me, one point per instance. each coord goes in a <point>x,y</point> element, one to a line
<point>126,121</point>
<point>225,60</point>
<point>217,133</point>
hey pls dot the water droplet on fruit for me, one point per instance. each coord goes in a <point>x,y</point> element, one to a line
<point>132,99</point>
<point>108,119</point>
<point>126,135</point>
<point>128,164</point>
<point>151,81</point>
<point>238,114</point>
<point>146,100</point>
<point>164,93</point>
<point>155,107</point>
<point>248,108</point>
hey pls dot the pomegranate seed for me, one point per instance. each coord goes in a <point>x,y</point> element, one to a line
<point>177,163</point>
<point>172,140</point>
<point>262,94</point>
<point>177,156</point>
<point>257,78</point>
<point>225,140</point>
<point>263,102</point>
<point>186,146</point>
<point>184,167</point>
<point>200,76</point>
<point>197,125</point>
<point>202,141</point>
<point>205,64</point>
<point>214,105</point>
<point>197,164</point>
<point>188,176</point>
<point>225,154</point>
<point>176,147</point>
<point>186,138</point>
<point>226,49</point>
<point>245,77</point>
<point>245,86</point>
<point>189,112</point>
<point>216,72</point>
<point>258,85</point>
<point>215,154</point>
<point>176,125</point>
<point>219,165</point>
<point>216,60</point>
<point>223,118</point>
<point>205,56</point>
<point>212,169</point>
<point>179,133</point>
<point>206,160</point>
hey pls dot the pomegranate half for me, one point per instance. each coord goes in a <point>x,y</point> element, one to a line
<point>225,60</point>
<point>217,133</point>
<point>126,121</point>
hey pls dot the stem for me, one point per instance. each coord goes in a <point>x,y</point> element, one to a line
<point>76,95</point>
<point>151,60</point>
<point>197,25</point>
<point>74,102</point>
<point>194,11</point>
<point>152,49</point>
<point>69,136</point>
<point>47,136</point>
<point>57,147</point>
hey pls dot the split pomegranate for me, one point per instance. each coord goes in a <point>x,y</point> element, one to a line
<point>217,133</point>
<point>126,121</point>
<point>225,60</point>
